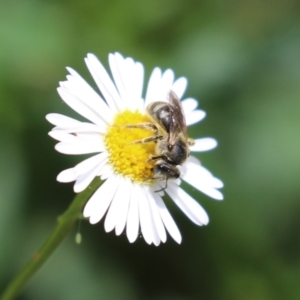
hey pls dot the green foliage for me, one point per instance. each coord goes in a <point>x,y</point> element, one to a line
<point>242,59</point>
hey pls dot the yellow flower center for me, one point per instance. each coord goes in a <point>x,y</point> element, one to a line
<point>127,157</point>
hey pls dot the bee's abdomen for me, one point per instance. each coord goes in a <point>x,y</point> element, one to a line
<point>161,112</point>
<point>179,152</point>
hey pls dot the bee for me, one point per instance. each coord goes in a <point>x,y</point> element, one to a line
<point>170,135</point>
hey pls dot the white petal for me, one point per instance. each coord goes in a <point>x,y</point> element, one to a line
<point>90,163</point>
<point>77,105</point>
<point>145,218</point>
<point>77,148</point>
<point>156,217</point>
<point>204,144</point>
<point>61,120</point>
<point>132,227</point>
<point>83,128</point>
<point>201,179</point>
<point>116,63</point>
<point>179,86</point>
<point>204,173</point>
<point>106,171</point>
<point>118,210</point>
<point>104,83</point>
<point>83,90</point>
<point>194,160</point>
<point>138,82</point>
<point>212,192</point>
<point>85,179</point>
<point>195,117</point>
<point>156,240</point>
<point>70,125</point>
<point>78,138</point>
<point>62,136</point>
<point>167,219</point>
<point>153,84</point>
<point>90,137</point>
<point>128,76</point>
<point>165,84</point>
<point>100,201</point>
<point>93,97</point>
<point>188,205</point>
<point>218,183</point>
<point>189,105</point>
<point>67,175</point>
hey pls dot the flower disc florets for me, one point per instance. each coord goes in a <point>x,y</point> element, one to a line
<point>127,157</point>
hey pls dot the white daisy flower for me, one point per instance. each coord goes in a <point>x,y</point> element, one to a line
<point>130,197</point>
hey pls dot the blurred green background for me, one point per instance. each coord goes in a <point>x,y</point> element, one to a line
<point>242,59</point>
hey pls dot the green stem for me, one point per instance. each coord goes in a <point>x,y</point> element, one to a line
<point>64,224</point>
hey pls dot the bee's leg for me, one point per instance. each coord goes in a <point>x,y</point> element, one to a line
<point>153,138</point>
<point>152,157</point>
<point>162,189</point>
<point>163,156</point>
<point>161,178</point>
<point>148,126</point>
<point>191,142</point>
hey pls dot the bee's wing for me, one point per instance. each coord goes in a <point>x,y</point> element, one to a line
<point>177,120</point>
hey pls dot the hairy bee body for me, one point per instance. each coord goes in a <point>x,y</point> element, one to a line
<point>159,112</point>
<point>167,121</point>
<point>172,147</point>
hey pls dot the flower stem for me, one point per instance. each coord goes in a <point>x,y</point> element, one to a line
<point>64,224</point>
